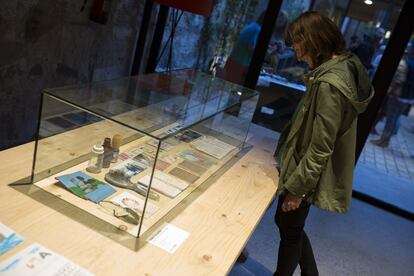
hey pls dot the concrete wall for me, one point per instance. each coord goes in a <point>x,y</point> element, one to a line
<point>51,43</point>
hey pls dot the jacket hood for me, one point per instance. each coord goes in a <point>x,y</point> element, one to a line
<point>355,86</point>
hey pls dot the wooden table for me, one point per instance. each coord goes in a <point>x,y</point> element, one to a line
<point>220,218</point>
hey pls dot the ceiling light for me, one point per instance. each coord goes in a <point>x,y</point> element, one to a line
<point>368,2</point>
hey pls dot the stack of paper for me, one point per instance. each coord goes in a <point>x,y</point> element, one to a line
<point>165,184</point>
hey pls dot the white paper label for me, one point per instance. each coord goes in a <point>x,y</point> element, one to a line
<point>169,238</point>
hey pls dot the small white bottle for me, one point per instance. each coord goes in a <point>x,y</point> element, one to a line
<point>95,163</point>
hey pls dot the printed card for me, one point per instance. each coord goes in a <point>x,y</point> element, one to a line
<point>37,260</point>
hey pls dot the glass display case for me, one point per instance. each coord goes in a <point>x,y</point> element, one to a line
<point>128,151</point>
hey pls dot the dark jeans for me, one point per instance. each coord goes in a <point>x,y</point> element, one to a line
<point>394,110</point>
<point>294,247</point>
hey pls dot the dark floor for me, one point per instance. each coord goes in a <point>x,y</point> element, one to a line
<point>366,241</point>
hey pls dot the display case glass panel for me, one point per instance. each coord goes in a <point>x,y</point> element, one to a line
<point>128,151</point>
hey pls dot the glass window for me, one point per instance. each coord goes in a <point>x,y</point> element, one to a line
<point>385,169</point>
<point>366,30</point>
<point>222,43</point>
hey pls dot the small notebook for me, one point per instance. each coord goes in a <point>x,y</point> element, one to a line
<point>179,184</point>
<point>192,167</point>
<point>160,186</point>
<point>184,175</point>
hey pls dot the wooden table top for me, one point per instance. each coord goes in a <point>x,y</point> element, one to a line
<point>220,218</point>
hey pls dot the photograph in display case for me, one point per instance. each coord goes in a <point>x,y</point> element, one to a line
<point>85,186</point>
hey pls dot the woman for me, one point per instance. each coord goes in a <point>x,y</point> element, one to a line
<point>316,150</point>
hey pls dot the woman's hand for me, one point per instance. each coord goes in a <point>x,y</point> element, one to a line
<point>291,202</point>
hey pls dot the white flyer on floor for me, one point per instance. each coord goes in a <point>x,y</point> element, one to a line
<point>37,260</point>
<point>169,238</point>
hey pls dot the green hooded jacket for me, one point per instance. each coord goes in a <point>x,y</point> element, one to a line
<point>316,149</point>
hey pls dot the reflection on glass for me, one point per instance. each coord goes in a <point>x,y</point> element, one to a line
<point>206,43</point>
<point>238,62</point>
<point>184,96</point>
<point>364,28</point>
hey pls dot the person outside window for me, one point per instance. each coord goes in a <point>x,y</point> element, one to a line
<point>237,63</point>
<point>316,150</point>
<point>400,97</point>
<point>366,49</point>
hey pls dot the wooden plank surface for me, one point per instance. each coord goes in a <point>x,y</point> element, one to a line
<point>68,149</point>
<point>220,219</point>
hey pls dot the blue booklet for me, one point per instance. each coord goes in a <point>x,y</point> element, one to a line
<point>8,239</point>
<point>86,187</point>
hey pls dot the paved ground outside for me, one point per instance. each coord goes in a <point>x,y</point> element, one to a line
<point>388,173</point>
<point>396,159</point>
